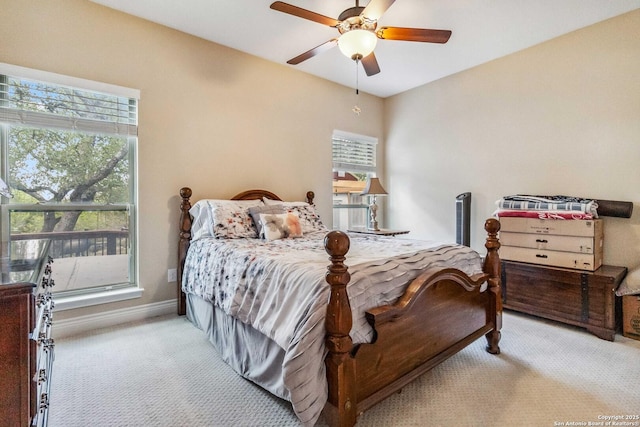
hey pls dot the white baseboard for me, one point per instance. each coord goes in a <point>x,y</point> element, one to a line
<point>76,325</point>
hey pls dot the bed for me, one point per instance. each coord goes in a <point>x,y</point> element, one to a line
<point>320,353</point>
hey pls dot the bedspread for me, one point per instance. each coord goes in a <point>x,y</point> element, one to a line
<point>278,287</point>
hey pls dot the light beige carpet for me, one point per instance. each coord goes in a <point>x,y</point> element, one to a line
<point>163,372</point>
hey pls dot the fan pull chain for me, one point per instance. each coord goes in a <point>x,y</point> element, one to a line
<point>355,108</point>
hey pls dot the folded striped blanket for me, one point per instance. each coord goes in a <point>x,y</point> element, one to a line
<point>551,204</point>
<point>500,213</point>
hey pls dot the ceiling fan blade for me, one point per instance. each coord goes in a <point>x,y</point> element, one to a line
<point>304,13</point>
<point>370,64</point>
<point>313,52</point>
<point>376,8</point>
<point>414,34</point>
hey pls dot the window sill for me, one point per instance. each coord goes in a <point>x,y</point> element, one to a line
<point>70,303</point>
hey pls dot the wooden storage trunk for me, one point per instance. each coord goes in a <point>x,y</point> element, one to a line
<point>580,298</point>
<point>631,316</point>
<point>576,244</point>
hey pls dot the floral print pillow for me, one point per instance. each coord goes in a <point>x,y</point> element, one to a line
<point>309,218</point>
<point>231,219</point>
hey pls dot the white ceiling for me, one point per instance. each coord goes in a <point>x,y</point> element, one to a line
<point>482,31</point>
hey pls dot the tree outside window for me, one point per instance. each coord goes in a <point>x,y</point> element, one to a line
<point>68,155</point>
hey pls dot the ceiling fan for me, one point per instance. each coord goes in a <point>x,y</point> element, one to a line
<point>359,33</point>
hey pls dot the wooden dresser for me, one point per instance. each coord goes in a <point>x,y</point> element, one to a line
<point>26,346</point>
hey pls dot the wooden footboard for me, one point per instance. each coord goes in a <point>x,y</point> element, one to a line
<point>442,311</point>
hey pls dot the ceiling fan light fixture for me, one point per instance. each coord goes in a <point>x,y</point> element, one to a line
<point>357,44</point>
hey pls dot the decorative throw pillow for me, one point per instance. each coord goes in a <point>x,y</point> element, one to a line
<point>255,212</point>
<point>280,226</point>
<point>309,218</point>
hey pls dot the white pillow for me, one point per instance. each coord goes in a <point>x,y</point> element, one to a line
<point>270,202</point>
<point>202,223</point>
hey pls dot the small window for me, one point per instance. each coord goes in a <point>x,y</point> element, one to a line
<point>354,160</point>
<point>67,151</point>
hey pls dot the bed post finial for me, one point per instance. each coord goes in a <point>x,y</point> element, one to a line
<point>310,196</point>
<point>492,268</point>
<point>341,405</point>
<point>183,244</point>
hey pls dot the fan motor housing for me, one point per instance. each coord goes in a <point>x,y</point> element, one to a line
<point>350,13</point>
<point>351,19</point>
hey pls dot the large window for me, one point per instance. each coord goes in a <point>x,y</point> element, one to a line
<point>354,160</point>
<point>67,151</point>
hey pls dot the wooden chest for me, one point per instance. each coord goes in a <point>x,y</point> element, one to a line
<point>576,244</point>
<point>580,298</point>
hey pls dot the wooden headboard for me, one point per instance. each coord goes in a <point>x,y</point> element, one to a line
<point>260,194</point>
<point>185,229</point>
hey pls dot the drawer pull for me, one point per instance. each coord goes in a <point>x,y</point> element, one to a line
<point>541,256</point>
<point>542,241</point>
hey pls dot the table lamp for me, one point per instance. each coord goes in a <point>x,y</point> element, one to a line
<point>373,188</point>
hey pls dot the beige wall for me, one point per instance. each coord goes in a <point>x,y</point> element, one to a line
<point>211,117</point>
<point>562,117</point>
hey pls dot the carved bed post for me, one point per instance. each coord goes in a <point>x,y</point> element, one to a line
<point>183,244</point>
<point>310,196</point>
<point>341,406</point>
<point>492,268</point>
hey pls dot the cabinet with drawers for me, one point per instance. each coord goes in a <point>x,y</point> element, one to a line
<point>576,244</point>
<point>26,346</point>
<point>16,305</point>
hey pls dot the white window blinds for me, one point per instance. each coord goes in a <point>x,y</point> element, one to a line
<point>30,102</point>
<point>354,153</point>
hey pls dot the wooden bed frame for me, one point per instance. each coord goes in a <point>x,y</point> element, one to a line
<point>442,311</point>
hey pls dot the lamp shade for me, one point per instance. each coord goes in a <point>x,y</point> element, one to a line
<point>356,44</point>
<point>373,188</point>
